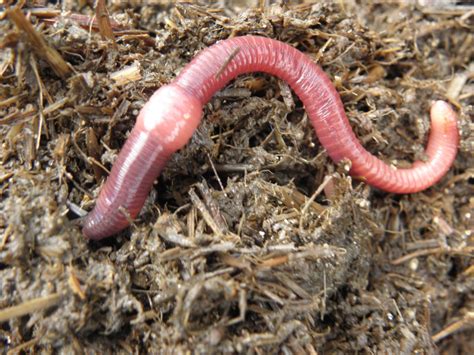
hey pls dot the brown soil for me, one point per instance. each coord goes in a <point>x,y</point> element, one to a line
<point>238,249</point>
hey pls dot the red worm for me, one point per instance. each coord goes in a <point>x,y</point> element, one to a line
<point>169,118</point>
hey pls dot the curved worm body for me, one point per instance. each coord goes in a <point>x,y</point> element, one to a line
<point>169,118</point>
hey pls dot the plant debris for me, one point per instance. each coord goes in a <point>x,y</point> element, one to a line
<point>252,240</point>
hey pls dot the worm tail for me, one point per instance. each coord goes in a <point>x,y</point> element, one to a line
<point>440,152</point>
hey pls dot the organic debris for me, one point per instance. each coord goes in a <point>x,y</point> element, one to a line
<point>252,240</point>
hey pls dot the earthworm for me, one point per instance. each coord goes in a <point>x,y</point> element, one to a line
<point>172,114</point>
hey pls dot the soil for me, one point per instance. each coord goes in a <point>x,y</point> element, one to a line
<point>252,240</point>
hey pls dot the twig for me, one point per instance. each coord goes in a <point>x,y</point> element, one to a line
<point>432,251</point>
<point>196,201</point>
<point>103,19</point>
<point>216,174</point>
<point>28,307</point>
<point>49,54</point>
<point>224,65</point>
<point>452,328</point>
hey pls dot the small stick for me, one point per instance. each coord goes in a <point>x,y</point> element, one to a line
<point>49,54</point>
<point>452,328</point>
<point>103,19</point>
<point>227,61</point>
<point>28,307</point>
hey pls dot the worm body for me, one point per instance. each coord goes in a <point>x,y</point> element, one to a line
<point>172,114</point>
